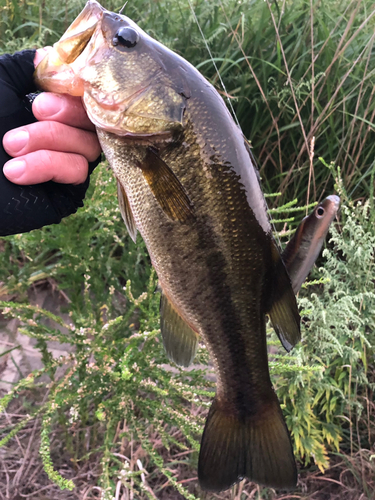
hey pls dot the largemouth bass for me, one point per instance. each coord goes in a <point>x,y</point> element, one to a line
<point>303,249</point>
<point>188,184</point>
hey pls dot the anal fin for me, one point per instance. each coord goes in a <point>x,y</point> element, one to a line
<point>180,341</point>
<point>283,310</point>
<point>166,187</point>
<point>254,445</point>
<point>126,211</point>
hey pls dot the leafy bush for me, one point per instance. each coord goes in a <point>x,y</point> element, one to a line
<point>114,373</point>
<point>294,70</point>
<point>333,406</point>
<point>116,370</point>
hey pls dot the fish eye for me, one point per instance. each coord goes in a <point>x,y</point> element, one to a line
<point>320,212</point>
<point>127,37</point>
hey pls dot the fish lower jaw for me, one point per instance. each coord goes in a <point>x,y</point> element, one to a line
<point>112,118</point>
<point>146,139</point>
<point>60,82</point>
<point>106,101</point>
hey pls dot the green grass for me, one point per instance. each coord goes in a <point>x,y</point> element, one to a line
<point>293,71</point>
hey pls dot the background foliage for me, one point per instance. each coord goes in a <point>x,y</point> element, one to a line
<point>294,70</point>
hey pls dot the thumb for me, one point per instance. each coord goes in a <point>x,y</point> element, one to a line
<point>40,54</point>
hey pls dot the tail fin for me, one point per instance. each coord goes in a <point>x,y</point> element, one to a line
<point>255,446</point>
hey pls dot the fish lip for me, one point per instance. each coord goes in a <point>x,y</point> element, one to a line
<point>335,200</point>
<point>87,20</point>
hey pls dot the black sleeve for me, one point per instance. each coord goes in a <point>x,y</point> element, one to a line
<point>23,208</point>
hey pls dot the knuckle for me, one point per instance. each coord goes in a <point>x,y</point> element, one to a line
<point>46,160</point>
<point>94,148</point>
<point>53,131</point>
<point>79,169</point>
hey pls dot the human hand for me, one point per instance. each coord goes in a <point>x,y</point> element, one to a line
<point>58,147</point>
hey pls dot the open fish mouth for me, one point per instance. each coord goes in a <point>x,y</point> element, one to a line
<point>79,33</point>
<point>59,69</point>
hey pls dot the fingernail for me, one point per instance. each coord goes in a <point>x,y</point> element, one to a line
<point>16,140</point>
<point>47,104</point>
<point>14,169</point>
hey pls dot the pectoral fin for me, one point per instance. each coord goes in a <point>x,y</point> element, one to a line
<point>180,341</point>
<point>283,311</point>
<point>166,188</point>
<point>126,211</point>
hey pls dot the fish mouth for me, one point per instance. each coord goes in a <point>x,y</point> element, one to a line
<point>335,200</point>
<point>83,63</point>
<point>77,36</point>
<point>59,69</point>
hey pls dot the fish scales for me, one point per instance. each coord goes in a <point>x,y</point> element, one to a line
<point>214,267</point>
<point>187,183</point>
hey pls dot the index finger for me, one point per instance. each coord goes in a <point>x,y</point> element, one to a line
<point>61,108</point>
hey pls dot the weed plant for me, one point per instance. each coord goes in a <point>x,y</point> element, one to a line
<point>296,72</point>
<point>116,381</point>
<point>114,373</point>
<point>335,405</point>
